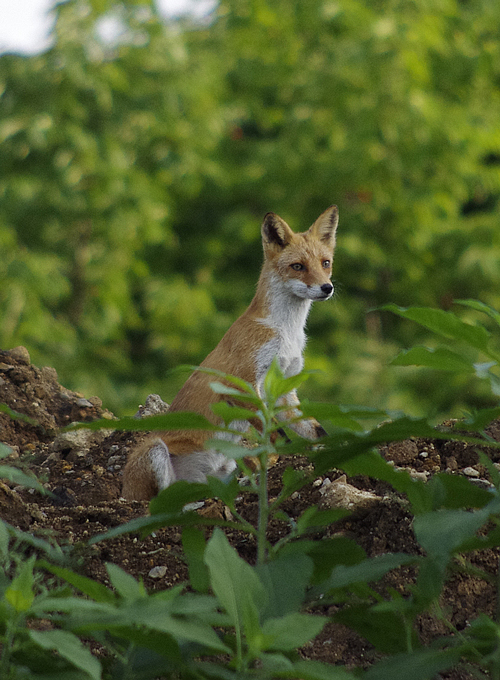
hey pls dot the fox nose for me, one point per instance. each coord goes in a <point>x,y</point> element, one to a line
<point>327,288</point>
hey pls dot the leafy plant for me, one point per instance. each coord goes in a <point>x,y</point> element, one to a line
<point>241,620</point>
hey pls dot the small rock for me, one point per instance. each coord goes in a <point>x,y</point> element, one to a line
<point>63,497</point>
<point>158,572</point>
<point>21,354</point>
<point>153,406</point>
<point>340,494</point>
<point>451,463</point>
<point>49,374</point>
<point>84,403</point>
<point>471,472</point>
<point>81,440</point>
<point>414,474</point>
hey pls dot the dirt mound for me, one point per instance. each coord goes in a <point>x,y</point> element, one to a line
<point>83,471</point>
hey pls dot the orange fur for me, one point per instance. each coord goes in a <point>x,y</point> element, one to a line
<point>296,271</point>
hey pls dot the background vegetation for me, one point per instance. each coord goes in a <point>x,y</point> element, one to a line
<point>139,157</point>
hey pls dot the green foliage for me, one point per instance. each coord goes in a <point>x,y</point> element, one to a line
<point>473,342</point>
<point>258,616</point>
<point>135,173</point>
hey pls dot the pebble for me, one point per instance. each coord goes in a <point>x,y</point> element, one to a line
<point>471,472</point>
<point>158,572</point>
<point>414,474</point>
<point>49,374</point>
<point>84,403</point>
<point>21,354</point>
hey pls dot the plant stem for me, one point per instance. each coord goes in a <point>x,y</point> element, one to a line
<point>263,511</point>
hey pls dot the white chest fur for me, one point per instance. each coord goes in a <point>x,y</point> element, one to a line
<point>287,317</point>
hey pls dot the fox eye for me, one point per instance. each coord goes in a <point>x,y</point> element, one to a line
<point>298,266</point>
<point>326,264</point>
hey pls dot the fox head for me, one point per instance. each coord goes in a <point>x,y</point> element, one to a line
<point>303,261</point>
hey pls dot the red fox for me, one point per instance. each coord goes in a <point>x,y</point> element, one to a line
<point>296,272</point>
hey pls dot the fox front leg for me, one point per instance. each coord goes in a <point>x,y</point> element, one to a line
<point>306,427</point>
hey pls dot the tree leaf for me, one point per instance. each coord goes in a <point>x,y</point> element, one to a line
<point>445,324</point>
<point>439,358</point>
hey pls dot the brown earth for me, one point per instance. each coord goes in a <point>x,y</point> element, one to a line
<point>83,471</point>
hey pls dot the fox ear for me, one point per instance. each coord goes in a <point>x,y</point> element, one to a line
<point>275,231</point>
<point>326,225</point>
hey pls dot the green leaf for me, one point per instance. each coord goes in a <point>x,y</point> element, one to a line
<point>228,448</point>
<point>220,388</point>
<point>236,586</point>
<point>313,517</point>
<point>276,385</point>
<point>184,623</point>
<point>343,416</point>
<point>368,571</point>
<point>440,358</point>
<point>455,492</point>
<point>227,491</point>
<point>285,579</point>
<point>442,532</point>
<point>229,413</point>
<point>445,324</point>
<point>326,554</point>
<point>70,648</point>
<point>194,543</point>
<point>385,630</point>
<point>291,631</point>
<point>176,496</point>
<point>422,664</point>
<point>4,540</point>
<point>20,593</point>
<point>178,420</point>
<point>5,450</point>
<point>315,670</point>
<point>97,591</point>
<point>480,307</point>
<point>125,584</point>
<point>479,420</point>
<point>16,476</point>
<point>16,416</point>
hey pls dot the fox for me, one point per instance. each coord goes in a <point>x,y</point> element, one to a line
<point>296,272</point>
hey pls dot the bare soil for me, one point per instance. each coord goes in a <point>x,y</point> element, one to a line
<point>84,476</point>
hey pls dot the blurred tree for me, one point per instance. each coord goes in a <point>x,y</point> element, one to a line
<point>138,158</point>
